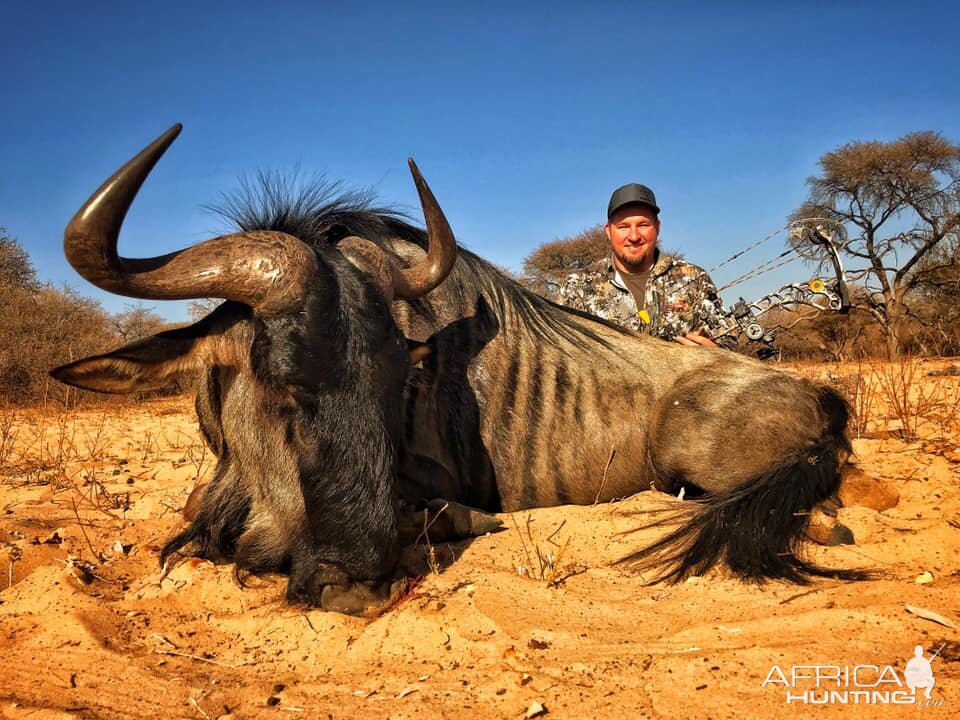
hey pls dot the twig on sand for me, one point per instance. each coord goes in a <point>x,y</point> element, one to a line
<point>309,624</point>
<point>526,552</point>
<point>199,709</point>
<point>158,651</point>
<point>603,480</point>
<point>800,595</point>
<point>82,528</point>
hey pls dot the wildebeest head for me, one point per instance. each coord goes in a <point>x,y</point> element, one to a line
<point>302,384</point>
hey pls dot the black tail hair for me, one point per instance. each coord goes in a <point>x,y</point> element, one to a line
<point>757,528</point>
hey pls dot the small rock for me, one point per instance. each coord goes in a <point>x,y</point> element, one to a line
<point>536,709</point>
<point>924,578</point>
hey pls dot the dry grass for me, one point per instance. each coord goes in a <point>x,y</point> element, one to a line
<point>85,462</point>
<point>863,398</point>
<point>9,433</point>
<point>900,398</point>
<point>914,403</point>
<point>429,550</point>
<point>542,559</point>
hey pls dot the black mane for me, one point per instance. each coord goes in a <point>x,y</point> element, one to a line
<point>317,211</point>
<point>320,212</point>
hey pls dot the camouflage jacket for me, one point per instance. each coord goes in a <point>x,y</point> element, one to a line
<point>680,298</point>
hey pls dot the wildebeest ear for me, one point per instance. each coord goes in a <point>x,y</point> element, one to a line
<point>156,361</point>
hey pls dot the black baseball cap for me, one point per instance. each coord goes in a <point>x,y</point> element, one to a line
<point>628,195</point>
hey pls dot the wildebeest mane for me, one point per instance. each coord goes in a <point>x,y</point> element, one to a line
<point>320,212</point>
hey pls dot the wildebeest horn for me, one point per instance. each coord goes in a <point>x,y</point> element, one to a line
<point>423,277</point>
<point>264,269</point>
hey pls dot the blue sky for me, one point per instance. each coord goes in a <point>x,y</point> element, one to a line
<point>522,116</point>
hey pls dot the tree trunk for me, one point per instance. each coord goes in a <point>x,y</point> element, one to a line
<point>893,327</point>
<point>893,343</point>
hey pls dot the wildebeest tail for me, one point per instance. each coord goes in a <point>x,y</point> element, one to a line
<point>756,529</point>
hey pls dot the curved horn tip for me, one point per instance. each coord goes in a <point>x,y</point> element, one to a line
<point>167,137</point>
<point>415,171</point>
<point>93,231</point>
<point>159,147</point>
<point>423,188</point>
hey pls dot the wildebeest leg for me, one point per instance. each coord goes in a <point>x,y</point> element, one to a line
<point>442,521</point>
<point>856,488</point>
<point>825,529</point>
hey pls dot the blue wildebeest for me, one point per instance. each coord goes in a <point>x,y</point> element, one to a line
<point>360,362</point>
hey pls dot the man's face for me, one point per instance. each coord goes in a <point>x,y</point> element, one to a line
<point>633,232</point>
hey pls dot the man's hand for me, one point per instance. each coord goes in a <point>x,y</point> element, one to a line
<point>695,339</point>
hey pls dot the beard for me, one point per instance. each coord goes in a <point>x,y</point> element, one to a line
<point>637,260</point>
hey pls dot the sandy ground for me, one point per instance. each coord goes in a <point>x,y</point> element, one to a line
<point>89,629</point>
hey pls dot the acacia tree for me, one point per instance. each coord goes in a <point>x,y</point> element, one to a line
<point>136,321</point>
<point>939,295</point>
<point>545,269</point>
<point>16,270</point>
<point>899,201</point>
<point>40,327</point>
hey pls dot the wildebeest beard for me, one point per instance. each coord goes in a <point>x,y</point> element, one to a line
<point>322,424</point>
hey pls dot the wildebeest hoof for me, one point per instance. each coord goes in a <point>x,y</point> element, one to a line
<point>826,530</point>
<point>442,521</point>
<point>859,488</point>
<point>367,600</point>
<point>463,521</point>
<point>192,507</point>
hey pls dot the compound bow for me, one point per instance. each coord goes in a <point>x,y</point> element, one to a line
<point>818,239</point>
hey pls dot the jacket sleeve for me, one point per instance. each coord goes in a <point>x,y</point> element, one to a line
<point>574,291</point>
<point>710,312</point>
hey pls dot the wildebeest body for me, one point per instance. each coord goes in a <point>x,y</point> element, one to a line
<point>322,425</point>
<point>542,405</point>
<point>555,392</point>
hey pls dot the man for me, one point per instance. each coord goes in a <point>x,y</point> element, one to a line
<point>641,288</point>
